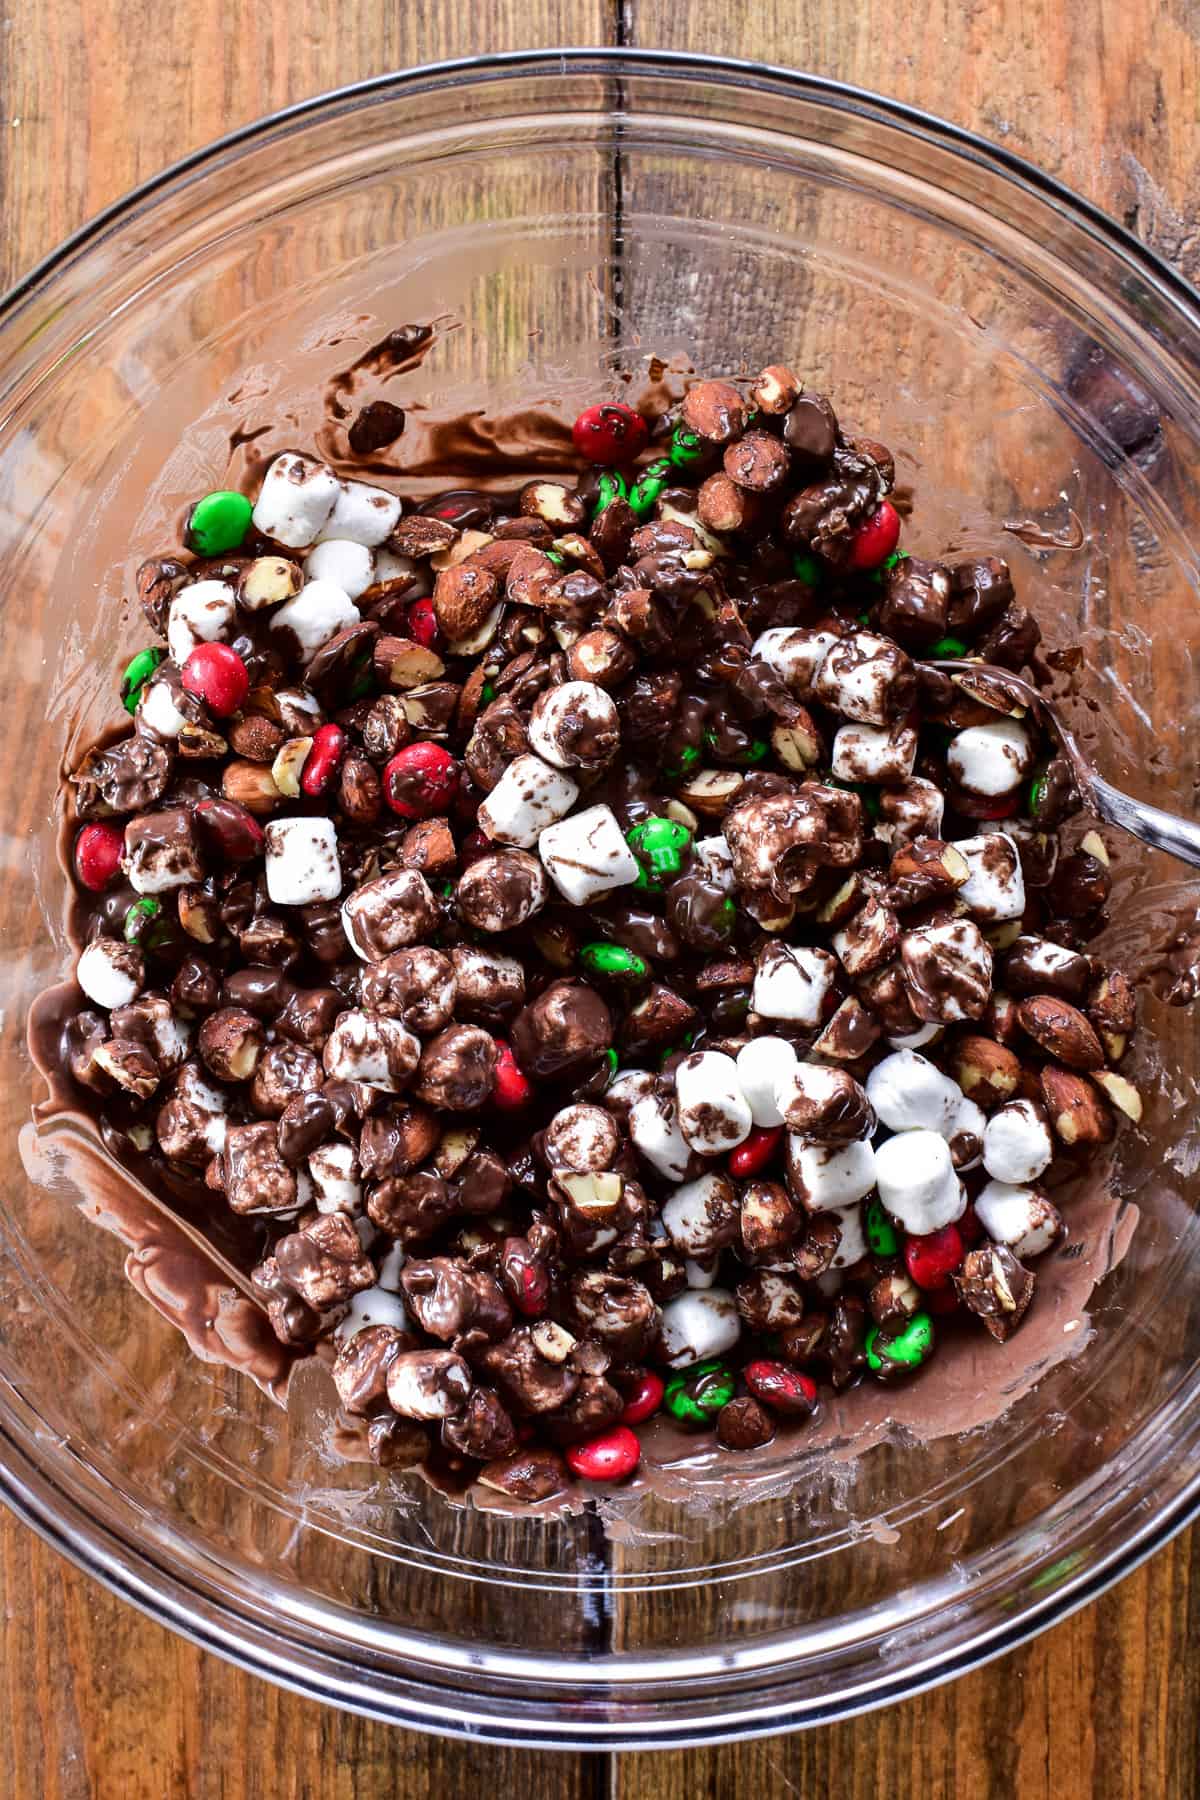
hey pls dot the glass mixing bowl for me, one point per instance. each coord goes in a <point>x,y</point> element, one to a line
<point>574,214</point>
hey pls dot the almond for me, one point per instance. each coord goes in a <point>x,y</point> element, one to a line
<point>429,847</point>
<point>1112,1004</point>
<point>289,764</point>
<point>796,741</point>
<point>479,638</point>
<point>252,786</point>
<point>403,663</point>
<point>596,1194</point>
<point>419,535</point>
<point>849,1034</point>
<point>986,1072</point>
<point>1122,1093</point>
<point>551,501</point>
<point>581,553</point>
<point>601,656</point>
<point>533,580</point>
<point>255,737</point>
<point>453,1150</point>
<point>723,506</point>
<point>199,915</point>
<point>776,390</point>
<point>463,596</point>
<point>1079,1113</point>
<point>430,708</point>
<point>552,1341</point>
<point>1092,844</point>
<point>1062,1031</point>
<point>197,744</point>
<point>924,870</point>
<point>868,940</point>
<point>714,410</point>
<point>468,543</point>
<point>758,462</point>
<point>846,900</point>
<point>268,580</point>
<point>711,792</point>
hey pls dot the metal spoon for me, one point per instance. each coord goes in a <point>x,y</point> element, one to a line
<point>1161,830</point>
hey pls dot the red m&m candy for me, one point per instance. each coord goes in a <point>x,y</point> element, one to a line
<point>420,781</point>
<point>610,1457</point>
<point>931,1260</point>
<point>610,433</point>
<point>422,622</point>
<point>752,1156</point>
<point>875,538</point>
<point>98,852</point>
<point>784,1390</point>
<point>324,759</point>
<point>644,1401</point>
<point>217,675</point>
<point>512,1090</point>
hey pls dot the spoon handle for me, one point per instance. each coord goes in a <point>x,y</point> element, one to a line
<point>1161,830</point>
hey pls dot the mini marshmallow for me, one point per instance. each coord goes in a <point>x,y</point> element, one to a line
<point>918,1183</point>
<point>654,1129</point>
<point>696,1325</point>
<point>763,1065</point>
<point>867,678</point>
<point>770,1300</point>
<point>586,855</point>
<point>370,1048</point>
<point>335,1178</point>
<point>852,1245</point>
<point>712,858</point>
<point>361,514</point>
<point>204,613</point>
<point>529,796</point>
<point>947,971</point>
<point>347,565</point>
<point>990,759</point>
<point>1017,1146</point>
<point>701,1217</point>
<point>110,972</point>
<point>389,913</point>
<point>828,1177</point>
<point>627,1087</point>
<point>701,1275</point>
<point>317,613</point>
<point>822,1104</point>
<point>912,811</point>
<point>301,861</point>
<point>714,1115</point>
<point>373,1306</point>
<point>161,851</point>
<point>875,753</point>
<point>967,1121</point>
<point>1020,1218</point>
<point>995,888</point>
<point>392,1262</point>
<point>390,567</point>
<point>910,1094</point>
<point>795,653</point>
<point>916,1040</point>
<point>793,982</point>
<point>157,711</point>
<point>574,725</point>
<point>295,501</point>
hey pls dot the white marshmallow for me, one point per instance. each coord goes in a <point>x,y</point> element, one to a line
<point>389,913</point>
<point>390,567</point>
<point>390,1266</point>
<point>373,1306</point>
<point>317,613</point>
<point>202,614</point>
<point>877,753</point>
<point>586,855</point>
<point>347,565</point>
<point>857,676</point>
<point>554,711</point>
<point>300,712</point>
<point>1017,1146</point>
<point>714,1115</point>
<point>335,1178</point>
<point>654,1129</point>
<point>793,982</point>
<point>763,1065</point>
<point>712,858</point>
<point>370,1048</point>
<point>795,653</point>
<point>990,759</point>
<point>295,501</point>
<point>995,888</point>
<point>157,711</point>
<point>695,1213</point>
<point>701,1275</point>
<point>110,973</point>
<point>959,945</point>
<point>910,1094</point>
<point>967,1120</point>
<point>853,1244</point>
<point>917,1181</point>
<point>1020,1218</point>
<point>828,1177</point>
<point>301,860</point>
<point>361,514</point>
<point>915,1040</point>
<point>628,1086</point>
<point>908,812</point>
<point>528,796</point>
<point>696,1325</point>
<point>778,1301</point>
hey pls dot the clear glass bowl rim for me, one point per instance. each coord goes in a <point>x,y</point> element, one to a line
<point>181,1597</point>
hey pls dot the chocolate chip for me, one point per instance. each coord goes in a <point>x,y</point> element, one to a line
<point>376,425</point>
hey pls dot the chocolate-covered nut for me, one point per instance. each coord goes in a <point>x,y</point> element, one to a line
<point>255,1177</point>
<point>757,462</point>
<point>501,890</point>
<point>324,1262</point>
<point>410,1207</point>
<point>817,1249</point>
<point>263,991</point>
<point>388,914</point>
<point>482,1184</point>
<point>714,410</point>
<point>386,728</point>
<point>323,933</point>
<point>567,1027</point>
<point>448,1298</point>
<point>742,1424</point>
<point>601,656</point>
<point>360,791</point>
<point>292,1320</point>
<point>488,985</point>
<point>397,1141</point>
<point>457,1069</point>
<point>592,1408</point>
<point>1081,885</point>
<point>129,1065</point>
<point>702,914</point>
<point>396,1443</point>
<point>428,846</point>
<point>121,777</point>
<point>769,1301</point>
<point>531,1475</point>
<point>308,1120</point>
<point>360,1368</point>
<point>196,987</point>
<point>525,1376</point>
<point>230,1043</point>
<point>811,430</point>
<point>266,939</point>
<point>308,1016</point>
<point>463,596</point>
<point>581,1138</point>
<point>725,507</point>
<point>1012,640</point>
<point>416,986</point>
<point>660,1017</point>
<point>980,591</point>
<point>283,1072</point>
<point>483,1431</point>
<point>620,1312</point>
<point>996,1288</point>
<point>428,1384</point>
<point>768,1219</point>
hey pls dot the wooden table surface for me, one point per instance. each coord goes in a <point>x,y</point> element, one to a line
<point>98,94</point>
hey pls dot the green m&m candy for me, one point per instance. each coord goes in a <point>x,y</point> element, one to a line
<point>807,569</point>
<point>137,674</point>
<point>684,763</point>
<point>659,845</point>
<point>695,1396</point>
<point>892,1358</point>
<point>611,486</point>
<point>948,646</point>
<point>217,523</point>
<point>145,927</point>
<point>649,485</point>
<point>687,447</point>
<point>615,961</point>
<point>882,1235</point>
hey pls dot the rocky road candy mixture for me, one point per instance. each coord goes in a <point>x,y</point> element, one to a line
<point>601,964</point>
